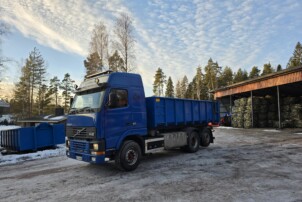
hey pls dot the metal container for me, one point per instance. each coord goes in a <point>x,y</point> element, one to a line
<point>32,138</point>
<point>164,112</point>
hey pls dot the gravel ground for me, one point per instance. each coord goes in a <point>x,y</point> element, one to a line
<point>242,165</point>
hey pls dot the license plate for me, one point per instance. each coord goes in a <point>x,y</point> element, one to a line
<point>79,158</point>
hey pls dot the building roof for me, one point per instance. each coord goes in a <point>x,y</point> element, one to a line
<point>283,77</point>
<point>4,104</point>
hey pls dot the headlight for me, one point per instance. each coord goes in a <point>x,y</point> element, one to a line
<point>95,147</point>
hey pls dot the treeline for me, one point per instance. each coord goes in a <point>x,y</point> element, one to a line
<point>34,94</point>
<point>212,77</point>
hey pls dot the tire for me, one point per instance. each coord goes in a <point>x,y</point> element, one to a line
<point>128,157</point>
<point>193,142</point>
<point>205,138</point>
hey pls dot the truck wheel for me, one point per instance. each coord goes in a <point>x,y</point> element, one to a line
<point>193,142</point>
<point>205,137</point>
<point>128,157</point>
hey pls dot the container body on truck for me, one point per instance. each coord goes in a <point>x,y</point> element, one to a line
<point>110,119</point>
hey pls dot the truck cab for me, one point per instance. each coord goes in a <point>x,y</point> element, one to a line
<point>107,108</point>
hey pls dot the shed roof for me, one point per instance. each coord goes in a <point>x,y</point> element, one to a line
<point>287,76</point>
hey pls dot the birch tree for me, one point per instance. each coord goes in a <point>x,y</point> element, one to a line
<point>125,42</point>
<point>99,43</point>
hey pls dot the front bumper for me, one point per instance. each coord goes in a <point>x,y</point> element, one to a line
<point>82,150</point>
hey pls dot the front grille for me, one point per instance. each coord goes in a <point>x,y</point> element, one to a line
<point>79,146</point>
<point>81,132</point>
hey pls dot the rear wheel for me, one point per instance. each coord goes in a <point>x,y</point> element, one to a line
<point>193,142</point>
<point>205,138</point>
<point>128,157</point>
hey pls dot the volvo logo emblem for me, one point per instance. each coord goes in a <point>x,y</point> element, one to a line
<point>79,132</point>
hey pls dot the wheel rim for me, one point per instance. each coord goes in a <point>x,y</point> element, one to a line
<point>131,157</point>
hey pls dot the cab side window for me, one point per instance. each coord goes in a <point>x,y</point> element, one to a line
<point>118,98</point>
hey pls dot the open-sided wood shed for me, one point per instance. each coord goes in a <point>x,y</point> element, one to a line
<point>284,83</point>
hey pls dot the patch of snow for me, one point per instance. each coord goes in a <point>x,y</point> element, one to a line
<point>47,117</point>
<point>298,133</point>
<point>17,158</point>
<point>272,130</point>
<point>58,118</point>
<point>8,127</point>
<point>226,127</point>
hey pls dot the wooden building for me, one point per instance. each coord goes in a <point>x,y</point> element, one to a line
<point>280,84</point>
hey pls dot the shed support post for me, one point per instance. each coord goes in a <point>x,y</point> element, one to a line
<point>230,112</point>
<point>252,109</point>
<point>279,113</point>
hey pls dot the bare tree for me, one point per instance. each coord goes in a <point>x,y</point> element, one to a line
<point>99,42</point>
<point>125,40</point>
<point>4,29</point>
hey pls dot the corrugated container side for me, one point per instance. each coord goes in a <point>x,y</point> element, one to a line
<point>163,112</point>
<point>33,138</point>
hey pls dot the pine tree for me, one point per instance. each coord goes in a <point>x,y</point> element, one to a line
<point>279,68</point>
<point>204,91</point>
<point>255,72</point>
<point>41,88</point>
<point>226,77</point>
<point>267,69</point>
<point>212,73</point>
<point>190,91</point>
<point>116,63</point>
<point>67,87</point>
<point>170,88</point>
<point>33,77</point>
<point>159,81</point>
<point>178,90</point>
<point>296,59</point>
<point>93,63</point>
<point>54,88</point>
<point>44,99</point>
<point>21,98</point>
<point>240,76</point>
<point>183,87</point>
<point>245,75</point>
<point>198,82</point>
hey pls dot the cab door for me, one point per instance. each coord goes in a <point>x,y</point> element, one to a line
<point>118,116</point>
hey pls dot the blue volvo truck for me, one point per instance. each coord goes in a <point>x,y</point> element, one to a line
<point>110,119</point>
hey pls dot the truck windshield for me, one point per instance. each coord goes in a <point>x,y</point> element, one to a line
<point>87,102</point>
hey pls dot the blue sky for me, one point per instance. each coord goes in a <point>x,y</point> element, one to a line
<point>175,35</point>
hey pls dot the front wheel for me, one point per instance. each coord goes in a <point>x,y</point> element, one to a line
<point>128,157</point>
